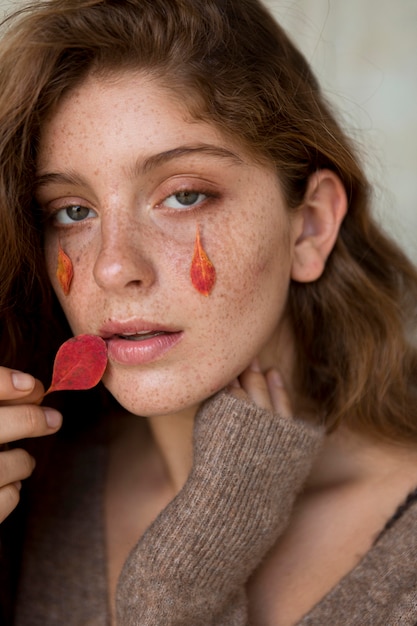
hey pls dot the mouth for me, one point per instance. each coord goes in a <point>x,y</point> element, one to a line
<point>140,336</point>
<point>137,342</point>
<point>134,330</point>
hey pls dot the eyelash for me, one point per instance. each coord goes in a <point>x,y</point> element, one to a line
<point>207,195</point>
<point>53,216</point>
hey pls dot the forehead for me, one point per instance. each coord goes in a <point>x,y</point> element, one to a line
<point>158,115</point>
<point>105,105</point>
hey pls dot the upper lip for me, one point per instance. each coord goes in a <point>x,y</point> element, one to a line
<point>131,327</point>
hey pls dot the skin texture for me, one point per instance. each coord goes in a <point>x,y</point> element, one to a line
<point>119,148</point>
<point>102,150</point>
<point>114,148</point>
<point>21,417</point>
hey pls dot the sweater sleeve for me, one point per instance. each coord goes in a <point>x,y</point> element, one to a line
<point>191,565</point>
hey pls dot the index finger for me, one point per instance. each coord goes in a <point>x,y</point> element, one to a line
<point>16,386</point>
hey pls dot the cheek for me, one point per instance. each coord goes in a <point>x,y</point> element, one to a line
<point>61,259</point>
<point>250,263</point>
<point>202,270</point>
<point>64,270</point>
<point>251,293</point>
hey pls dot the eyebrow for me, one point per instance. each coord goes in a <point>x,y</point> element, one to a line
<point>66,177</point>
<point>164,157</point>
<point>146,165</point>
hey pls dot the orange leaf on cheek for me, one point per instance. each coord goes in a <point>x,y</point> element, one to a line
<point>202,272</point>
<point>64,271</point>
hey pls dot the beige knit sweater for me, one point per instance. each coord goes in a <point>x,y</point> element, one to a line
<point>191,566</point>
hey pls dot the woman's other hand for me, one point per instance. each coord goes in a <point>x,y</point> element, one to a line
<point>21,417</point>
<point>266,390</point>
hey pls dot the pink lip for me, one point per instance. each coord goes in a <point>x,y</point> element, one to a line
<point>138,352</point>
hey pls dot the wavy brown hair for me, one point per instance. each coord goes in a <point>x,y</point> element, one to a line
<point>236,68</point>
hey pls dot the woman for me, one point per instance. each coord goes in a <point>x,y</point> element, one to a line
<point>253,458</point>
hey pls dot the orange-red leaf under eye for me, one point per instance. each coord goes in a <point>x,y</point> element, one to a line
<point>203,273</point>
<point>64,271</point>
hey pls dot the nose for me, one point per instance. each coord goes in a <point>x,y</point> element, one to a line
<point>123,258</point>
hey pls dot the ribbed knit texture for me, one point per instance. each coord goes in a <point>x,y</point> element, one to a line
<point>248,467</point>
<point>191,566</point>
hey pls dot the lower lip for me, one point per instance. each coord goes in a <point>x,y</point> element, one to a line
<point>128,352</point>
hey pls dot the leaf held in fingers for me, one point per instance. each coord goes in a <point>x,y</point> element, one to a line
<point>79,363</point>
<point>203,273</point>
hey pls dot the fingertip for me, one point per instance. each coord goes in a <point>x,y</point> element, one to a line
<point>22,381</point>
<point>276,378</point>
<point>280,398</point>
<point>238,393</point>
<point>53,418</point>
<point>255,365</point>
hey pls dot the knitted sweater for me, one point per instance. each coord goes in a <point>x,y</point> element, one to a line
<point>191,565</point>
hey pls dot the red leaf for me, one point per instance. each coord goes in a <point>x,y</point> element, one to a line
<point>202,271</point>
<point>79,363</point>
<point>64,270</point>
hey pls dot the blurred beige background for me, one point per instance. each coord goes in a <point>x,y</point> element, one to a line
<point>365,53</point>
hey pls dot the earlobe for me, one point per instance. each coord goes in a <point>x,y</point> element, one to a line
<point>319,220</point>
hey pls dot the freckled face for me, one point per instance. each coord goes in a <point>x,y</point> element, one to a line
<point>125,177</point>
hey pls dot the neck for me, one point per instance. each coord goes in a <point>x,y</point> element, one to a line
<point>173,436</point>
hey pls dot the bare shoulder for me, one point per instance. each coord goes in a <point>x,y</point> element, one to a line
<point>334,524</point>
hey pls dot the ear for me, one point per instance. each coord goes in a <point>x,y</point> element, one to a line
<point>318,223</point>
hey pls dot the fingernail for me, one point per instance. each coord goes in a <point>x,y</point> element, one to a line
<point>22,382</point>
<point>53,418</point>
<point>255,366</point>
<point>276,378</point>
<point>18,485</point>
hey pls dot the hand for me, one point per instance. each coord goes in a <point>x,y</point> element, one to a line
<point>20,418</point>
<point>266,390</point>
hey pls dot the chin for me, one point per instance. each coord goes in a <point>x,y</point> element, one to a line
<point>152,394</point>
<point>157,402</point>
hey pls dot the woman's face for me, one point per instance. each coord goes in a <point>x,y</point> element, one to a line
<point>126,176</point>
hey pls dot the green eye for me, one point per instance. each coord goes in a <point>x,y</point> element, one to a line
<point>75,213</point>
<point>185,199</point>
